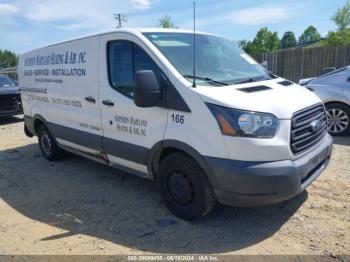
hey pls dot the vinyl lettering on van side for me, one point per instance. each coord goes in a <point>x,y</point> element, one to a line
<point>56,72</point>
<point>67,58</point>
<point>58,101</point>
<point>66,102</point>
<point>69,72</point>
<point>131,125</point>
<point>38,98</point>
<point>89,126</point>
<point>57,59</point>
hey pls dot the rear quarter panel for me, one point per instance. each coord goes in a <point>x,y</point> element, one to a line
<point>27,70</point>
<point>49,89</point>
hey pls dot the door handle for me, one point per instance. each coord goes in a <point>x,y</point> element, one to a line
<point>90,99</point>
<point>107,103</point>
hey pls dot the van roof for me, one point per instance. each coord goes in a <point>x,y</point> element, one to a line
<point>129,30</point>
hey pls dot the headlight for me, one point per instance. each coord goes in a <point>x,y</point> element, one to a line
<point>235,122</point>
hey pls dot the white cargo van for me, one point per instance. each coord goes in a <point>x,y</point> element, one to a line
<point>232,133</point>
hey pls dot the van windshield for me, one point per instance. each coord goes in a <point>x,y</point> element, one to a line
<point>218,60</point>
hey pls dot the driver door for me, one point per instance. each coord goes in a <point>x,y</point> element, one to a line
<point>129,131</point>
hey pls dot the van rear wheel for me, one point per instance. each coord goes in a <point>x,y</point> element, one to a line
<point>48,145</point>
<point>184,188</point>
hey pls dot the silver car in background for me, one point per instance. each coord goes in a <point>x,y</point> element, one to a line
<point>334,90</point>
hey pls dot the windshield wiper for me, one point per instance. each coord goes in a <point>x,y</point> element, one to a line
<point>207,79</point>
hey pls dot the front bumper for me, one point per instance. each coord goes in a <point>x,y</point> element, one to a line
<point>10,104</point>
<point>6,113</point>
<point>245,183</point>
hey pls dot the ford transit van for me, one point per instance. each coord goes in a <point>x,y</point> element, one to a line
<point>228,131</point>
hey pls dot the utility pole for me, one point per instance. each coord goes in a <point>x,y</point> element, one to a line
<point>121,18</point>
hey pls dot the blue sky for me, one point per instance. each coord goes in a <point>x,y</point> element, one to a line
<point>28,24</point>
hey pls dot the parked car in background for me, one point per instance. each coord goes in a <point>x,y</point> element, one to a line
<point>334,90</point>
<point>10,99</point>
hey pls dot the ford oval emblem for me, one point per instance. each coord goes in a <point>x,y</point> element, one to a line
<point>315,126</point>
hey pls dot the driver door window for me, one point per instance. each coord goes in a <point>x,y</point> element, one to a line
<point>124,60</point>
<point>121,67</point>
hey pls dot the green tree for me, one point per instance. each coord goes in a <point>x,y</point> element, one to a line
<point>249,48</point>
<point>264,41</point>
<point>288,40</point>
<point>336,38</point>
<point>8,59</point>
<point>246,46</point>
<point>342,20</point>
<point>242,43</point>
<point>309,35</point>
<point>165,22</point>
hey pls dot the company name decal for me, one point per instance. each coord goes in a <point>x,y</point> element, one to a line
<point>131,125</point>
<point>57,59</point>
<point>62,60</point>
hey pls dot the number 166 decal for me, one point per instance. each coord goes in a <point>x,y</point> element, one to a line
<point>178,119</point>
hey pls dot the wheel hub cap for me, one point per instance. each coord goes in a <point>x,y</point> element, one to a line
<point>337,120</point>
<point>46,142</point>
<point>180,188</point>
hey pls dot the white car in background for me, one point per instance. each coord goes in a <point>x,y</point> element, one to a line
<point>334,90</point>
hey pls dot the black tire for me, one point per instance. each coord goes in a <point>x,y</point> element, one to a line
<point>184,188</point>
<point>337,112</point>
<point>48,145</point>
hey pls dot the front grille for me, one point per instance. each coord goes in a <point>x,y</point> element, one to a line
<point>10,102</point>
<point>303,132</point>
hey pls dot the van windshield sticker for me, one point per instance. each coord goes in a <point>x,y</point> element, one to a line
<point>248,59</point>
<point>169,43</point>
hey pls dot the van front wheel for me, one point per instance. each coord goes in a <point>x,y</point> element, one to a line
<point>184,188</point>
<point>48,145</point>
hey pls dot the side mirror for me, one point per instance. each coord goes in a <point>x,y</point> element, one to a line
<point>328,70</point>
<point>147,92</point>
<point>264,65</point>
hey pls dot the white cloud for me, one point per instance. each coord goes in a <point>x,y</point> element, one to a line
<point>6,9</point>
<point>76,15</point>
<point>73,26</point>
<point>46,10</point>
<point>141,4</point>
<point>260,15</point>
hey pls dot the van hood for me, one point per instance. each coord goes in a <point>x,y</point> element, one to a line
<point>269,96</point>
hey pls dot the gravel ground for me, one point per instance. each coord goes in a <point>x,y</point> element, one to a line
<point>77,206</point>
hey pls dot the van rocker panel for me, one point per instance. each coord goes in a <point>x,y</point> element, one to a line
<point>246,183</point>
